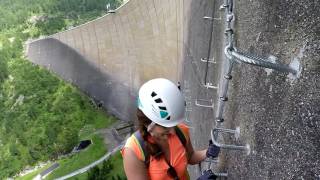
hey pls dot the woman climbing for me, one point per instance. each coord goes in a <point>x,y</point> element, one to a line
<point>161,148</point>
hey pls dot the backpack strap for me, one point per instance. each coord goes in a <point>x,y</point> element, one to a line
<point>181,136</point>
<point>143,149</point>
<point>183,140</point>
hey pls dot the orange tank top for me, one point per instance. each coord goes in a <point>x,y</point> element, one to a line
<point>158,168</point>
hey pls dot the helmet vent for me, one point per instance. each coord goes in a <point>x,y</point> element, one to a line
<point>153,94</point>
<point>162,108</point>
<point>168,118</point>
<point>158,100</point>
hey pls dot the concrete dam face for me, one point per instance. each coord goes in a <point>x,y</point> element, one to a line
<point>140,41</point>
<point>277,113</point>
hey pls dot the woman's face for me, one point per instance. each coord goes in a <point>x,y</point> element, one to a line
<point>160,133</point>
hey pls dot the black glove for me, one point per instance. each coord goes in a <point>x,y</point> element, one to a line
<point>213,150</point>
<point>207,175</point>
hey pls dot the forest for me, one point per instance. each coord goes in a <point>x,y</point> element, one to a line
<point>41,115</point>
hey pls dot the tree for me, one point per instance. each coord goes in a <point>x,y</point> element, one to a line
<point>107,167</point>
<point>94,173</point>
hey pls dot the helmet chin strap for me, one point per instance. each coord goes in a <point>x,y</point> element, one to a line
<point>150,127</point>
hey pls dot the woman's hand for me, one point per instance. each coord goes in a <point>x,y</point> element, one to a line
<point>213,150</point>
<point>196,157</point>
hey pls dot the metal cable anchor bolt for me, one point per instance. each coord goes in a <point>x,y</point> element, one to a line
<point>224,98</point>
<point>229,17</point>
<point>223,6</point>
<point>228,31</point>
<point>219,120</point>
<point>229,77</point>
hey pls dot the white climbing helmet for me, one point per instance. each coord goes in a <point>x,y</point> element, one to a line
<point>162,102</point>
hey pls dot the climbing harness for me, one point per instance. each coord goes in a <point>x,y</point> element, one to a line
<point>145,153</point>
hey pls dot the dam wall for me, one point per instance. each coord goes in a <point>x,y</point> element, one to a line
<point>140,40</point>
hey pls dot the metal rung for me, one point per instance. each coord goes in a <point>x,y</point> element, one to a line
<point>204,105</point>
<point>211,18</point>
<point>188,106</point>
<point>211,160</point>
<point>210,60</point>
<point>221,174</point>
<point>187,116</point>
<point>210,86</point>
<point>236,132</point>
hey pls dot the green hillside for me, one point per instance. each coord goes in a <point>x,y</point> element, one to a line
<point>41,116</point>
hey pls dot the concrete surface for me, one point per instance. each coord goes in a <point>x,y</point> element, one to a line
<point>196,38</point>
<point>140,41</point>
<point>279,116</point>
<point>104,88</point>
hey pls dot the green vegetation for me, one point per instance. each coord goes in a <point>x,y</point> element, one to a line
<point>117,162</point>
<point>33,174</point>
<point>41,116</point>
<point>110,169</point>
<point>76,161</point>
<point>95,151</point>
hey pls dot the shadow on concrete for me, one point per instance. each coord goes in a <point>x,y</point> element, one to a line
<point>68,64</point>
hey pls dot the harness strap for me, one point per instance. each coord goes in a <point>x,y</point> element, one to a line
<point>143,149</point>
<point>142,145</point>
<point>181,136</point>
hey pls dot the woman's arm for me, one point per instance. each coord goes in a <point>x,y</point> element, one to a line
<point>133,167</point>
<point>195,157</point>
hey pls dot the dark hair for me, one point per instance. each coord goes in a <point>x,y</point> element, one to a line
<point>152,148</point>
